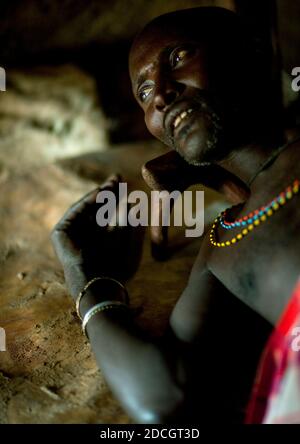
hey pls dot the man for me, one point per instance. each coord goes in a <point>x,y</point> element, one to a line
<point>201,86</point>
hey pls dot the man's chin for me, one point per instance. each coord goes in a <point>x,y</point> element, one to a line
<point>198,150</point>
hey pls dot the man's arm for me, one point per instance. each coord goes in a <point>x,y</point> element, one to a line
<point>150,377</point>
<point>156,380</point>
<point>202,368</point>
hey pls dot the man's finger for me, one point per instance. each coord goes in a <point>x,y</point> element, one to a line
<point>112,181</point>
<point>87,202</point>
<point>78,207</point>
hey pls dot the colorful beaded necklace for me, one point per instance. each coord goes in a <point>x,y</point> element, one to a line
<point>253,219</point>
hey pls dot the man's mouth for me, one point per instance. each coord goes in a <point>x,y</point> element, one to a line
<point>179,118</point>
<point>176,118</point>
<point>187,117</point>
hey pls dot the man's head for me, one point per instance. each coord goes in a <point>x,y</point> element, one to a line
<point>196,76</point>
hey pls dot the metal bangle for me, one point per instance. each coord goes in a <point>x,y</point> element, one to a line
<point>82,293</point>
<point>108,305</point>
<point>86,287</point>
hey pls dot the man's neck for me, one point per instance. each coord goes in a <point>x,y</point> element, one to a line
<point>245,162</point>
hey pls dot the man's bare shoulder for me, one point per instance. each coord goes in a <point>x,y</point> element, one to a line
<point>293,151</point>
<point>204,254</point>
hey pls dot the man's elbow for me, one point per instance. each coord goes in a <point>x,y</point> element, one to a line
<point>162,410</point>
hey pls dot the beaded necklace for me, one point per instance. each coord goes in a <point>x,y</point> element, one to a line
<point>253,219</point>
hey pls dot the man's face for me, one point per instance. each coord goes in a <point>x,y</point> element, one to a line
<point>171,82</point>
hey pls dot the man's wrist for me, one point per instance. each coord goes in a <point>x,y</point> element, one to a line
<point>100,291</point>
<point>76,279</point>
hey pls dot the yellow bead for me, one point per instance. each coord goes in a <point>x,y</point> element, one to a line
<point>295,189</point>
<point>270,212</point>
<point>275,206</point>
<point>218,245</point>
<point>263,218</point>
<point>289,195</point>
<point>223,244</point>
<point>233,240</point>
<point>250,228</point>
<point>214,226</point>
<point>257,222</point>
<point>227,243</point>
<point>282,200</point>
<point>239,236</point>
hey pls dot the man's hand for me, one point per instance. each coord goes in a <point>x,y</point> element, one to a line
<point>171,172</point>
<point>87,250</point>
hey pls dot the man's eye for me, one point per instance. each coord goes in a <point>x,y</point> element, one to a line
<point>180,55</point>
<point>144,92</point>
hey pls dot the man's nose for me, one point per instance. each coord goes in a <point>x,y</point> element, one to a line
<point>166,94</point>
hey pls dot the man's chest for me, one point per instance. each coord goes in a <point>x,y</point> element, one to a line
<point>262,268</point>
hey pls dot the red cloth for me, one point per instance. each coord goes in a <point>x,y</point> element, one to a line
<point>276,391</point>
